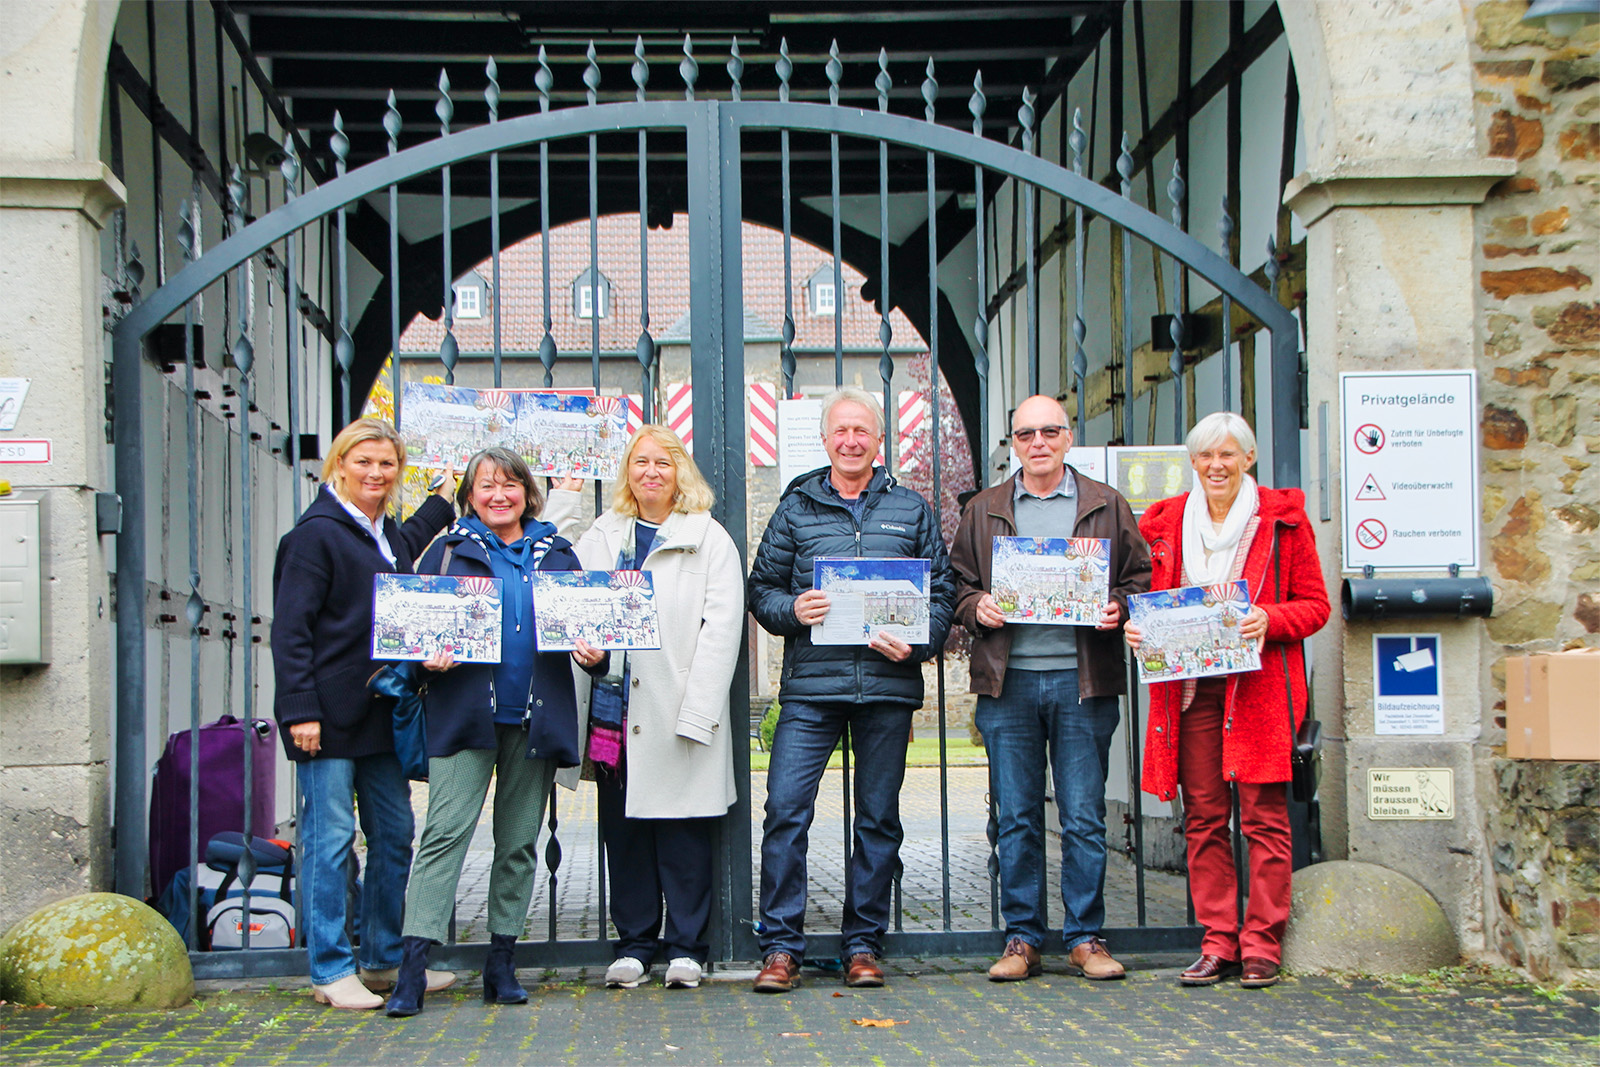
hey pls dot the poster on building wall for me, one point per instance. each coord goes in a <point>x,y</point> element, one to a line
<point>1410,469</point>
<point>1411,793</point>
<point>1192,632</point>
<point>1051,581</point>
<point>1407,698</point>
<point>417,615</point>
<point>1145,475</point>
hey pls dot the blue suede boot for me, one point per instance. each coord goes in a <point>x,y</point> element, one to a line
<point>412,981</point>
<point>500,972</point>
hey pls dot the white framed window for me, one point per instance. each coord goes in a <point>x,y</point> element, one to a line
<point>822,302</point>
<point>587,302</point>
<point>469,302</point>
<point>591,300</point>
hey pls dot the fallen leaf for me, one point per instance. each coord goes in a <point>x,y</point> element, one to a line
<point>836,994</point>
<point>880,1022</point>
<point>675,1048</point>
<point>806,1033</point>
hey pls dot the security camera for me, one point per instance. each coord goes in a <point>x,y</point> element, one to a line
<point>266,153</point>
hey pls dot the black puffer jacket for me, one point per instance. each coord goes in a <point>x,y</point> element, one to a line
<point>809,522</point>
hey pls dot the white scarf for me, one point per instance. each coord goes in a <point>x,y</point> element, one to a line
<point>1199,538</point>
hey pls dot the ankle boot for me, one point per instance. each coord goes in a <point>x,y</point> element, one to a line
<point>500,972</point>
<point>412,981</point>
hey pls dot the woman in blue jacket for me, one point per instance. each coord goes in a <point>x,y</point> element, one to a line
<point>339,736</point>
<point>516,720</point>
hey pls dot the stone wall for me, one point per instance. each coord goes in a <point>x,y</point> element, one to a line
<point>1538,246</point>
<point>1547,865</point>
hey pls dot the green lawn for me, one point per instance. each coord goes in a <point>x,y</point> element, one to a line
<point>924,752</point>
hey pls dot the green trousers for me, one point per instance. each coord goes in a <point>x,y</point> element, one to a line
<point>457,786</point>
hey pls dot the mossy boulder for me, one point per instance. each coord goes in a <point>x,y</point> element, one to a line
<point>1367,919</point>
<point>98,950</point>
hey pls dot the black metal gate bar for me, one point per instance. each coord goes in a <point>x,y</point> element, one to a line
<point>1080,241</point>
<point>391,126</point>
<point>930,94</point>
<point>449,351</point>
<point>715,131</point>
<point>195,607</point>
<point>344,349</point>
<point>645,349</point>
<point>1030,196</point>
<point>1175,193</point>
<point>491,97</point>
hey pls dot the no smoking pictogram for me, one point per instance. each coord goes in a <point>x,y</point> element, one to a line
<point>1369,438</point>
<point>1371,534</point>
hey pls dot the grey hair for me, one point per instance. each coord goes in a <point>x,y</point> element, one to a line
<point>512,466</point>
<point>850,394</point>
<point>1216,428</point>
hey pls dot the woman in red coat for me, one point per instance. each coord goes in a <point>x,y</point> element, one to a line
<point>1209,734</point>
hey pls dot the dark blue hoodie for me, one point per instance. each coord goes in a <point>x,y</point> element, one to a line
<point>461,702</point>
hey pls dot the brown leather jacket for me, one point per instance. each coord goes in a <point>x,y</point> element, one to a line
<point>1102,512</point>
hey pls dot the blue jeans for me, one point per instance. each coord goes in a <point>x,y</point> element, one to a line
<point>1039,713</point>
<point>805,738</point>
<point>331,788</point>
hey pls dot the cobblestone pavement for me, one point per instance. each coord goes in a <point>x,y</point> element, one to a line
<point>944,1012</point>
<point>922,894</point>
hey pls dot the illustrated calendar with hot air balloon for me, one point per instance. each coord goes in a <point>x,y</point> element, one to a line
<point>416,615</point>
<point>1193,632</point>
<point>608,609</point>
<point>1051,581</point>
<point>559,432</point>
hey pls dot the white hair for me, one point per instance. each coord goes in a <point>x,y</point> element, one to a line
<point>1216,428</point>
<point>851,395</point>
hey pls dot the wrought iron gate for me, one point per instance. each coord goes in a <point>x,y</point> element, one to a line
<point>716,133</point>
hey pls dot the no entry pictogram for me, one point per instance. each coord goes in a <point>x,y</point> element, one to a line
<point>1369,438</point>
<point>1371,533</point>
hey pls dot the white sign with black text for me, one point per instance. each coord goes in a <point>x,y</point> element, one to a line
<point>1410,469</point>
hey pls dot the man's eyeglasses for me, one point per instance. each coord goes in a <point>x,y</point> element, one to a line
<point>1049,433</point>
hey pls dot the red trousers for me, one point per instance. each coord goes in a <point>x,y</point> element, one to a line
<point>1207,812</point>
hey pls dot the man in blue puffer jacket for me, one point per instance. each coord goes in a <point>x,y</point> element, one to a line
<point>849,508</point>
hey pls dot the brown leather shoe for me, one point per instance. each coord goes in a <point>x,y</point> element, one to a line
<point>1020,961</point>
<point>779,974</point>
<point>1209,970</point>
<point>1259,973</point>
<point>1091,960</point>
<point>862,971</point>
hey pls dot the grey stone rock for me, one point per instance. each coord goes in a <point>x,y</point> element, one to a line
<point>98,950</point>
<point>1364,918</point>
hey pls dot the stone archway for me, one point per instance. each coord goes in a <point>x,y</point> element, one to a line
<point>1393,174</point>
<point>55,194</point>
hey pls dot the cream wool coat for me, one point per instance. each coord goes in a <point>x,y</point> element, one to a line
<point>679,736</point>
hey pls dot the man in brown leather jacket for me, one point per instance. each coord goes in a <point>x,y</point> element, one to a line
<point>1048,691</point>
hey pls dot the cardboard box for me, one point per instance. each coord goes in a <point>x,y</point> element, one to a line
<point>1553,706</point>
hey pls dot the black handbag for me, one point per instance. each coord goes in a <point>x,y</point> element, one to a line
<point>1305,753</point>
<point>400,682</point>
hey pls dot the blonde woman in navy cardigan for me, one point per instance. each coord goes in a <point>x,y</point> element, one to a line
<point>340,736</point>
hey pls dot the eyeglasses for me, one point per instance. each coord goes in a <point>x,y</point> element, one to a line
<point>1050,433</point>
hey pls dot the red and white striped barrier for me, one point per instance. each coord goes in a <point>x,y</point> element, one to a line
<point>913,427</point>
<point>680,412</point>
<point>635,412</point>
<point>763,424</point>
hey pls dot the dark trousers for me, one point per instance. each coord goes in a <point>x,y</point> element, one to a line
<point>1207,811</point>
<point>651,860</point>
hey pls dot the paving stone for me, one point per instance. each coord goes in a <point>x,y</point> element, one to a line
<point>946,1012</point>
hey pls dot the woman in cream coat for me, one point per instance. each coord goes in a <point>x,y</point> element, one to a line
<point>660,727</point>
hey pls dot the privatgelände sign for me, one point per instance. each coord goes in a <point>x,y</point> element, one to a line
<point>1411,793</point>
<point>1410,469</point>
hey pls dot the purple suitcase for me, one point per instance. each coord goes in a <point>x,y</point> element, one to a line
<point>222,769</point>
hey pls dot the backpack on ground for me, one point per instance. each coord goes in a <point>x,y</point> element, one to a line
<point>265,864</point>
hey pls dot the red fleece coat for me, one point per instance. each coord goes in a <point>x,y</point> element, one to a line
<point>1256,736</point>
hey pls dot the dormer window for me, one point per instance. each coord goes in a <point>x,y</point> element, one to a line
<point>820,294</point>
<point>590,300</point>
<point>472,297</point>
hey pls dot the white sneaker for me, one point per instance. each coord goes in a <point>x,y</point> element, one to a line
<point>624,973</point>
<point>684,973</point>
